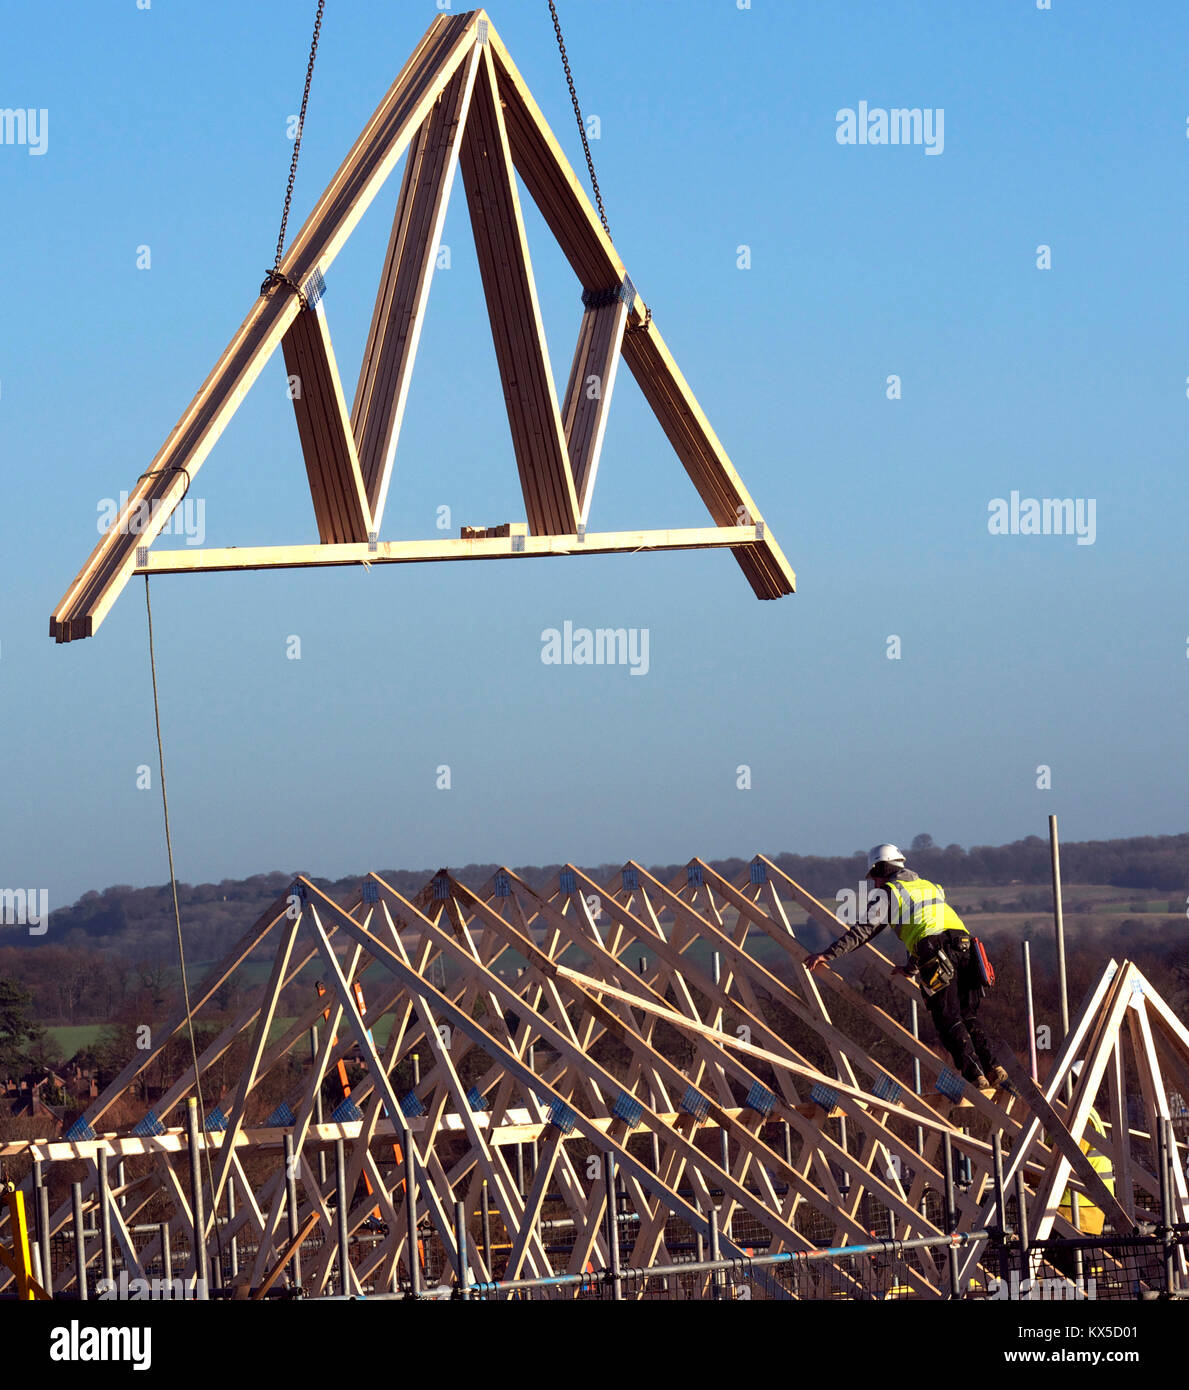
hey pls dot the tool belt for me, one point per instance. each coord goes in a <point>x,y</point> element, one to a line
<point>939,959</point>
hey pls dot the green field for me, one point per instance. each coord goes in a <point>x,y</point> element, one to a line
<point>380,1033</point>
<point>70,1037</point>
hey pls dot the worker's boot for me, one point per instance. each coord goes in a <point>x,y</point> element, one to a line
<point>976,1078</point>
<point>997,1076</point>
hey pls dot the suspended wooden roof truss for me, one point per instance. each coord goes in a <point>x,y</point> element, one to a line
<point>458,101</point>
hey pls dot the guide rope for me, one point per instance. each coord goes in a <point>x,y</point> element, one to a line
<point>177,915</point>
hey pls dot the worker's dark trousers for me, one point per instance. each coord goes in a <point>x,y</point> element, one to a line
<point>954,1011</point>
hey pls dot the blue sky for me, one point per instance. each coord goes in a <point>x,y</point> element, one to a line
<point>167,129</point>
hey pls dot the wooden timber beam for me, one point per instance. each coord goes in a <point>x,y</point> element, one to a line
<point>517,330</point>
<point>399,314</point>
<point>255,557</point>
<point>291,1248</point>
<point>370,161</point>
<point>679,1020</point>
<point>332,465</point>
<point>588,394</point>
<point>705,460</point>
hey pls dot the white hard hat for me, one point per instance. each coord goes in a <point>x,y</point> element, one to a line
<point>885,854</point>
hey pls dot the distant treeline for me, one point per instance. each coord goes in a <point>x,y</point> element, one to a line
<point>112,955</point>
<point>1150,861</point>
<point>138,922</point>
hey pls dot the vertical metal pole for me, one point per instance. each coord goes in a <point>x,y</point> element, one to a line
<point>612,1229</point>
<point>520,1170</point>
<point>916,1073</point>
<point>1029,1010</point>
<point>487,1229</point>
<point>788,1141</point>
<point>234,1246</point>
<point>1167,1148</point>
<point>314,1060</point>
<point>1170,1247</point>
<point>122,1199</point>
<point>845,1183</point>
<point>1162,1169</point>
<point>416,1069</point>
<point>196,1203</point>
<point>1000,1201</point>
<point>340,1181</point>
<point>1022,1224</point>
<point>1000,1191</point>
<point>166,1254</point>
<point>104,1190</point>
<point>460,1239</point>
<point>318,1111</point>
<point>42,1193</point>
<point>1059,925</point>
<point>80,1244</point>
<point>414,1253</point>
<point>700,1240</point>
<point>656,1152</point>
<point>715,1252</point>
<point>532,1066</point>
<point>291,1203</point>
<point>951,1212</point>
<point>43,1242</point>
<point>725,1165</point>
<point>216,1264</point>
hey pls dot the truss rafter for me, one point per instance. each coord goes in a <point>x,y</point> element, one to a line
<point>670,1027</point>
<point>458,101</point>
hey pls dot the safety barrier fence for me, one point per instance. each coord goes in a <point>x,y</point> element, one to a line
<point>1140,1266</point>
<point>1148,1264</point>
<point>1151,1263</point>
<point>879,1270</point>
<point>999,1261</point>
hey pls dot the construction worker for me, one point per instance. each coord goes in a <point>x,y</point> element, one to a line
<point>1090,1218</point>
<point>939,957</point>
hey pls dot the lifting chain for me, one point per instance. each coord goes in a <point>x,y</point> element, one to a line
<point>275,275</point>
<point>565,62</point>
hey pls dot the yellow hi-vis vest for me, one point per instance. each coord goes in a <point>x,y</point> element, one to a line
<point>917,909</point>
<point>1090,1218</point>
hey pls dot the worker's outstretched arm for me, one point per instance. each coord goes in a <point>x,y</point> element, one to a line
<point>859,935</point>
